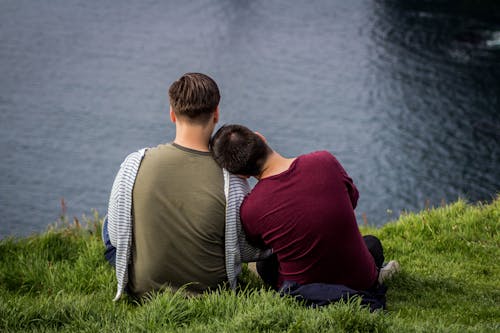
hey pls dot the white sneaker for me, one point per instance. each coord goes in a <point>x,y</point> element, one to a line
<point>387,271</point>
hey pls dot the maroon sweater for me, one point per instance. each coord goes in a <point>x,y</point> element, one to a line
<point>306,215</point>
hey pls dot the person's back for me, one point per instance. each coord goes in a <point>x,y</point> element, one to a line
<point>179,215</point>
<point>178,199</point>
<point>173,214</point>
<point>303,209</point>
<point>306,215</point>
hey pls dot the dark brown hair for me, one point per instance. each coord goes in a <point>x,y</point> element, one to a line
<point>194,96</point>
<point>239,150</point>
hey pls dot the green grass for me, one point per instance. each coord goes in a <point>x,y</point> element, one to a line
<point>450,282</point>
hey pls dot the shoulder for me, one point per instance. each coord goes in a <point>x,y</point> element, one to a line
<point>133,158</point>
<point>320,156</point>
<point>160,149</point>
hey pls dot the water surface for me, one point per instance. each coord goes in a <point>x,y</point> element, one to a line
<point>404,93</point>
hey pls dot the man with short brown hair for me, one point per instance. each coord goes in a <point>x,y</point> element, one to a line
<point>194,96</point>
<point>181,232</point>
<point>178,198</point>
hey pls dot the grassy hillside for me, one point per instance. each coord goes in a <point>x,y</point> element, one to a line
<point>450,282</point>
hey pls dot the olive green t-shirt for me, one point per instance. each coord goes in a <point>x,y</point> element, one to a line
<point>179,220</point>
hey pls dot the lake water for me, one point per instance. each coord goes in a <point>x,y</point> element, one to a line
<point>405,93</point>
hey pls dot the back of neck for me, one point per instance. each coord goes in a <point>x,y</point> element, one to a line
<point>193,137</point>
<point>275,165</point>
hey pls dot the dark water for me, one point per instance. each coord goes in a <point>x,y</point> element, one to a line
<point>405,93</point>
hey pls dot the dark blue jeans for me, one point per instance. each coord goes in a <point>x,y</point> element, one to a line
<point>110,251</point>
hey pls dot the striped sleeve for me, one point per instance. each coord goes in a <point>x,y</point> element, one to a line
<point>238,249</point>
<point>120,216</point>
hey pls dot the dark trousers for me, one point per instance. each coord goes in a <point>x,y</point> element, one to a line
<point>269,269</point>
<point>110,250</point>
<point>375,247</point>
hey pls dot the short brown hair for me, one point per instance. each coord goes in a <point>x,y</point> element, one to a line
<point>239,150</point>
<point>194,96</point>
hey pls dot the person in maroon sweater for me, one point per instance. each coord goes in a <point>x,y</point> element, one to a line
<point>302,208</point>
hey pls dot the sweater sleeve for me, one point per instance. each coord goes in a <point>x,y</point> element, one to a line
<point>237,248</point>
<point>349,184</point>
<point>120,216</point>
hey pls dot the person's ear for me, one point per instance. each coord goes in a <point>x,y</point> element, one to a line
<point>261,136</point>
<point>216,115</point>
<point>172,115</point>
